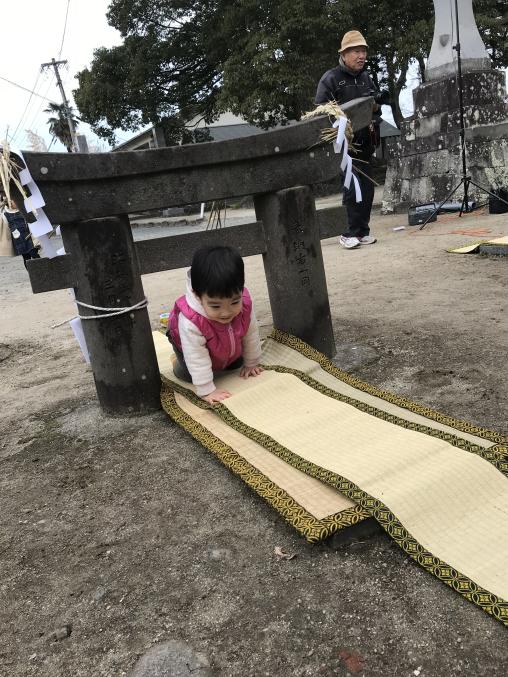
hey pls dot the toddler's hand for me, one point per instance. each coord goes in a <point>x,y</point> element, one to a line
<point>216,396</point>
<point>245,372</point>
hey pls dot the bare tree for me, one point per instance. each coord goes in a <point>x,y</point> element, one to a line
<point>36,142</point>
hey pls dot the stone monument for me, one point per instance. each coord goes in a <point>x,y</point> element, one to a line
<point>425,162</point>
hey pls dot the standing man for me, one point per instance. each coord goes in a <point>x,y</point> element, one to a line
<point>349,80</point>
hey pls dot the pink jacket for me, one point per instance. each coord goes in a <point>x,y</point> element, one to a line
<point>208,345</point>
<point>223,341</point>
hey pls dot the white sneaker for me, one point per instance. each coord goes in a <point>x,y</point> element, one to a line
<point>367,239</point>
<point>349,242</point>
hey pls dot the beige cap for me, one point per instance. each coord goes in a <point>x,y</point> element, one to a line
<point>352,39</point>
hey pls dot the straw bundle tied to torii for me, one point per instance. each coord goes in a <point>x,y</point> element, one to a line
<point>9,171</point>
<point>341,135</point>
<point>14,171</point>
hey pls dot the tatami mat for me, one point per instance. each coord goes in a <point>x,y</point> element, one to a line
<point>437,485</point>
<point>312,507</point>
<point>475,246</point>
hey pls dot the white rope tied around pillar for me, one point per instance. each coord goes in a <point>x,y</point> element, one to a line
<point>104,312</point>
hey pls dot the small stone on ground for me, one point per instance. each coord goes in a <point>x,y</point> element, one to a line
<point>172,659</point>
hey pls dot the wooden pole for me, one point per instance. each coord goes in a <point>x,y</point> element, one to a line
<point>121,348</point>
<point>294,267</point>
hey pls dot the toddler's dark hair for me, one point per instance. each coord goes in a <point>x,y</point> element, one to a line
<point>217,271</point>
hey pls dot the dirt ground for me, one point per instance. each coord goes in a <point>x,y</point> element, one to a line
<point>129,533</point>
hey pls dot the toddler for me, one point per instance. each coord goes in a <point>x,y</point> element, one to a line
<point>213,327</point>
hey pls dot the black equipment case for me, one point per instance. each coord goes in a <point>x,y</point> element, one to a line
<point>420,213</point>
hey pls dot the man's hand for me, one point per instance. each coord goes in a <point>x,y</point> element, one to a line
<point>216,396</point>
<point>245,372</point>
<point>382,98</point>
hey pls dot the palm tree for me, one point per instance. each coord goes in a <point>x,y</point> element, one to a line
<point>59,125</point>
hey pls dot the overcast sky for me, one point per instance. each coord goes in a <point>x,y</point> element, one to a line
<point>32,34</point>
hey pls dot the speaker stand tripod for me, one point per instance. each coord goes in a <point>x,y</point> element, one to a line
<point>465,180</point>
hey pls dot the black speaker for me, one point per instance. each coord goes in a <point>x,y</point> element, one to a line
<point>496,205</point>
<point>420,213</point>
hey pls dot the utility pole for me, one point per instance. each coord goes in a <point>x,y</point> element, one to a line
<point>54,64</point>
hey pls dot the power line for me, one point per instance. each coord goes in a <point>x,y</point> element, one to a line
<point>32,91</point>
<point>64,28</point>
<point>26,89</point>
<point>52,75</point>
<point>26,107</point>
<point>37,102</point>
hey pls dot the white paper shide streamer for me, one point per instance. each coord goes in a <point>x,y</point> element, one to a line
<point>34,203</point>
<point>340,145</point>
<point>77,328</point>
<point>40,229</point>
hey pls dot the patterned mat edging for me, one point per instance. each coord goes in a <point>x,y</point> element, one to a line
<point>490,603</point>
<point>312,529</point>
<point>456,250</point>
<point>311,353</point>
<point>493,455</point>
<point>496,455</point>
<point>476,245</point>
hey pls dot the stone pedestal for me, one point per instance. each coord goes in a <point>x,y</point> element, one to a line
<point>425,162</point>
<point>442,59</point>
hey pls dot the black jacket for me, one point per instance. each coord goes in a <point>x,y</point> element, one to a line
<point>341,86</point>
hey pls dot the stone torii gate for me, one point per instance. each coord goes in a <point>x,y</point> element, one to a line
<point>90,195</point>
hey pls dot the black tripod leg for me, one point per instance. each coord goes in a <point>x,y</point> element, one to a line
<point>442,203</point>
<point>464,206</point>
<point>489,192</point>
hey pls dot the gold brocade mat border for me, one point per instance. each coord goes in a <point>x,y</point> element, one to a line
<point>328,366</point>
<point>475,246</point>
<point>498,456</point>
<point>312,529</point>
